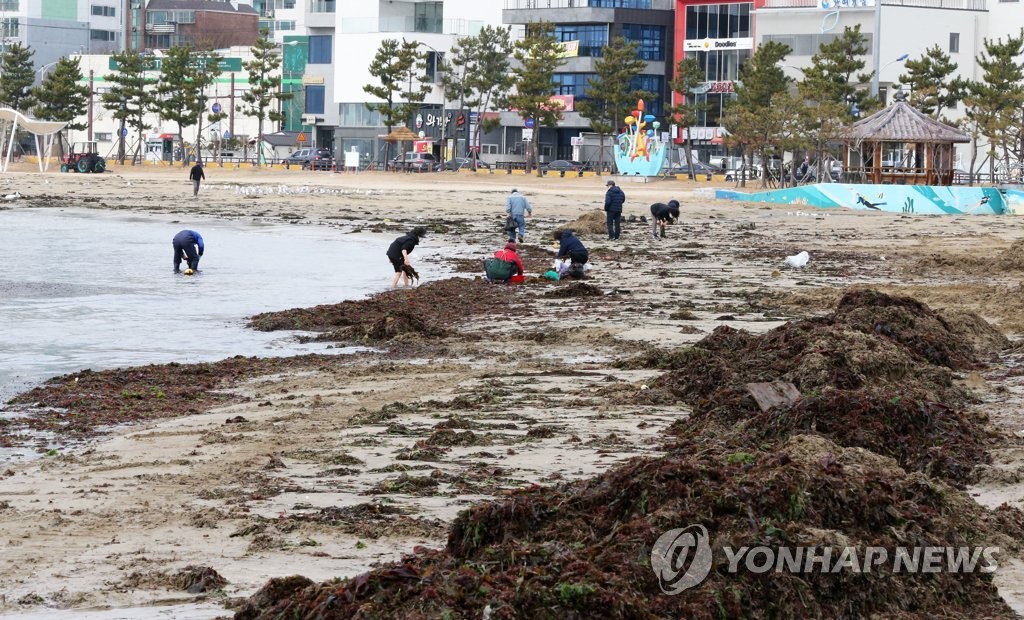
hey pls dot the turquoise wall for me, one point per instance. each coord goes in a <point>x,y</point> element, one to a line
<point>911,199</point>
<point>61,9</point>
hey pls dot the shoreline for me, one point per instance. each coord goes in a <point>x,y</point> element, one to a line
<point>266,492</point>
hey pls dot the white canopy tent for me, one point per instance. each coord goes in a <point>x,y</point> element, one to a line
<point>44,132</point>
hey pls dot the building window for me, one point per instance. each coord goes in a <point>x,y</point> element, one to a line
<point>650,40</point>
<point>103,137</point>
<point>954,43</point>
<point>104,11</point>
<point>319,50</point>
<point>654,84</point>
<point>592,37</point>
<point>103,35</point>
<point>9,27</point>
<point>428,17</point>
<point>718,21</point>
<point>9,5</point>
<point>617,4</point>
<point>434,62</point>
<point>572,83</point>
<point>314,100</point>
<point>358,115</point>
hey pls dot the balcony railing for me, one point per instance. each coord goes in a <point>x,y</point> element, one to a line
<point>577,4</point>
<point>459,27</point>
<point>322,6</point>
<point>959,5</point>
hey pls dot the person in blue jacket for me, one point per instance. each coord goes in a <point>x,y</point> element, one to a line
<point>613,201</point>
<point>569,246</point>
<point>185,244</point>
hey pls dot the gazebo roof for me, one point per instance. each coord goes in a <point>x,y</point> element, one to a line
<point>402,134</point>
<point>902,122</point>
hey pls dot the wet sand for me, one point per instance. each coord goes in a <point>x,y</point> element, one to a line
<point>337,466</point>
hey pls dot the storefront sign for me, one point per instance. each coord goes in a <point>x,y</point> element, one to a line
<point>710,45</point>
<point>153,63</point>
<point>569,48</point>
<point>716,88</point>
<point>312,79</point>
<point>567,103</point>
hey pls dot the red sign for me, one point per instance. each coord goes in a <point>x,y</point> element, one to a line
<point>721,87</point>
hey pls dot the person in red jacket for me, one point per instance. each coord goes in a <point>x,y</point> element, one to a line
<point>505,264</point>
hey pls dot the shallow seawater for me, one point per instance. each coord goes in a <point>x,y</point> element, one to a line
<point>93,289</point>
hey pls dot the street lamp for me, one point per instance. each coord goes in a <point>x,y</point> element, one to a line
<point>42,70</point>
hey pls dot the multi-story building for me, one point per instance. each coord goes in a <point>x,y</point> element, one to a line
<point>591,24</point>
<point>209,24</point>
<point>56,28</point>
<point>343,39</point>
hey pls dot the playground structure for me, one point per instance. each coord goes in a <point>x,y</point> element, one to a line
<point>45,134</point>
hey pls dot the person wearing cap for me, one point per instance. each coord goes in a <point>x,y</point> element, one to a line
<point>518,209</point>
<point>663,214</point>
<point>185,245</point>
<point>399,251</point>
<point>613,201</point>
<point>505,264</point>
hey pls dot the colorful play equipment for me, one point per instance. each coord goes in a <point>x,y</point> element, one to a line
<point>638,151</point>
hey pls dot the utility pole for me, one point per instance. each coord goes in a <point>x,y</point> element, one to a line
<point>92,94</point>
<point>876,47</point>
<point>231,109</point>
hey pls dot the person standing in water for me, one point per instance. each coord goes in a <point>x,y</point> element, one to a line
<point>399,251</point>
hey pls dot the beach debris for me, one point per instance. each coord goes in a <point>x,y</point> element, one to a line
<point>773,394</point>
<point>411,272</point>
<point>797,261</point>
<point>236,420</point>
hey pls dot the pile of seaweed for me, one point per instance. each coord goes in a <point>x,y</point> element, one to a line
<point>583,550</point>
<point>429,311</point>
<point>79,404</point>
<point>876,373</point>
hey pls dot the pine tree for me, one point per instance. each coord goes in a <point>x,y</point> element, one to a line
<point>489,78</point>
<point>931,88</point>
<point>130,95</point>
<point>185,75</point>
<point>395,65</point>
<point>264,87</point>
<point>538,56</point>
<point>995,102</point>
<point>610,96</point>
<point>761,118</point>
<point>62,97</point>
<point>17,75</point>
<point>687,79</point>
<point>828,79</point>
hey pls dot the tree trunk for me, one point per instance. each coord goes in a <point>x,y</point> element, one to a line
<point>974,160</point>
<point>259,143</point>
<point>689,156</point>
<point>600,157</point>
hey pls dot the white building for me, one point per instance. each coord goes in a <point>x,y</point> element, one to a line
<point>225,93</point>
<point>327,62</point>
<point>56,28</point>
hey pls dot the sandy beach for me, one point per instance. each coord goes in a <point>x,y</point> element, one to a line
<point>329,466</point>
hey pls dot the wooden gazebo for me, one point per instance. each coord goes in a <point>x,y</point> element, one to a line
<point>902,146</point>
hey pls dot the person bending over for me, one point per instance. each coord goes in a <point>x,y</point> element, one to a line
<point>399,251</point>
<point>185,247</point>
<point>663,214</point>
<point>569,246</point>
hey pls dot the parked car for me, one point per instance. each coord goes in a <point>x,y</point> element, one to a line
<point>416,162</point>
<point>457,163</point>
<point>562,165</point>
<point>323,160</point>
<point>699,169</point>
<point>302,157</point>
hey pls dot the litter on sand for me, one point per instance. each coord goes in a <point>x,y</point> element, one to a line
<point>798,261</point>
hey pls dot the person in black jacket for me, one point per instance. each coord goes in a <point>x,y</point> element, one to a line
<point>186,243</point>
<point>569,246</point>
<point>196,175</point>
<point>613,201</point>
<point>399,251</point>
<point>663,214</point>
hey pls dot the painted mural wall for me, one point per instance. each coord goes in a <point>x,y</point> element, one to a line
<point>911,199</point>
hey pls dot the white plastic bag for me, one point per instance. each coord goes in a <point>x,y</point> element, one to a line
<point>561,266</point>
<point>798,261</point>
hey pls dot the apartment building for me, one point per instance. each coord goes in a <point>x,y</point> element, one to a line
<point>587,26</point>
<point>56,28</point>
<point>208,24</point>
